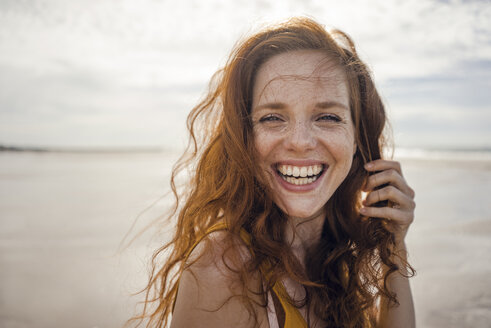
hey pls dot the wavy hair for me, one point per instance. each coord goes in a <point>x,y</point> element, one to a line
<point>343,276</point>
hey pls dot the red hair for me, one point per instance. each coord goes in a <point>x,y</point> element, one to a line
<point>342,277</point>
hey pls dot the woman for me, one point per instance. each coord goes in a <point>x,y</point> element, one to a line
<point>272,230</point>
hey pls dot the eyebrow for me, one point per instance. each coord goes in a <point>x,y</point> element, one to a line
<point>321,105</point>
<point>330,104</point>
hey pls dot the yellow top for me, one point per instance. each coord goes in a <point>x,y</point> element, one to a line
<point>293,318</point>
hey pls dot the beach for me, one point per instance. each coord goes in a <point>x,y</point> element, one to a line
<point>65,261</point>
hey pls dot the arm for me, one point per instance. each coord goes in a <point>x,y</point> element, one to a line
<point>211,294</point>
<point>399,215</point>
<point>402,315</point>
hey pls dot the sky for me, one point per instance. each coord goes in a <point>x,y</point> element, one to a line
<point>125,73</point>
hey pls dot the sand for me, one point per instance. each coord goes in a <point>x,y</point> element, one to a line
<point>63,216</point>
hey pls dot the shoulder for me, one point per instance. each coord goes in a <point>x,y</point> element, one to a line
<point>217,249</point>
<point>214,290</point>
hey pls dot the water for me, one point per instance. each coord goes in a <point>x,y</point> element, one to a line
<point>478,154</point>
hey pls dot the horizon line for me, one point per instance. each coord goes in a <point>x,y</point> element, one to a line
<point>154,149</point>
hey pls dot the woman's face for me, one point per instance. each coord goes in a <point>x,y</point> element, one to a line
<point>303,131</point>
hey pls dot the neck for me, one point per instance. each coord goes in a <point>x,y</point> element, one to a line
<point>301,233</point>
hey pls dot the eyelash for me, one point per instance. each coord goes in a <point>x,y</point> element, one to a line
<point>274,118</point>
<point>269,118</point>
<point>329,118</point>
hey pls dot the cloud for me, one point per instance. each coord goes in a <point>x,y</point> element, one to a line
<point>465,85</point>
<point>124,69</point>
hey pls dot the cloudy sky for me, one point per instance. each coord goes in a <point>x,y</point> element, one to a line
<point>102,73</point>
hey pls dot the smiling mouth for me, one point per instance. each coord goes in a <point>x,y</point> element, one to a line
<point>300,175</point>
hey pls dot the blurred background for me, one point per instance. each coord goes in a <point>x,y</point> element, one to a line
<point>93,101</point>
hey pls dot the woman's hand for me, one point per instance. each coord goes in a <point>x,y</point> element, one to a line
<point>400,211</point>
<point>398,216</point>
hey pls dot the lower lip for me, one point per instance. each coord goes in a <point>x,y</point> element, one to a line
<point>299,188</point>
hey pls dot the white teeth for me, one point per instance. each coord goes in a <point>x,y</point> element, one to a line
<point>282,169</point>
<point>299,172</point>
<point>299,181</point>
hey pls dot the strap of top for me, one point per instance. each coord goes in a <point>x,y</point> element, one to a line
<point>293,318</point>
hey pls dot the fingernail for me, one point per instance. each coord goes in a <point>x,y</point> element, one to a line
<point>363,210</point>
<point>368,165</point>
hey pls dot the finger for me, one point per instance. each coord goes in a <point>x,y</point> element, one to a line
<point>396,215</point>
<point>391,194</point>
<point>383,164</point>
<point>391,177</point>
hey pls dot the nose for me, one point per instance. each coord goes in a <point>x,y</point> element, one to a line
<point>300,137</point>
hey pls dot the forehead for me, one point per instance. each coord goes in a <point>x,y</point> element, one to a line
<point>300,62</point>
<point>302,69</point>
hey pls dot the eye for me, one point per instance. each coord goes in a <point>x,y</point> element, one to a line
<point>270,118</point>
<point>329,118</point>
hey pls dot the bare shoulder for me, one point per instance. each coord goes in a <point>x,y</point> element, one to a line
<point>211,291</point>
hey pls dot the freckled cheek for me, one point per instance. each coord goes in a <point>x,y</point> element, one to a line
<point>265,144</point>
<point>338,142</point>
<point>342,152</point>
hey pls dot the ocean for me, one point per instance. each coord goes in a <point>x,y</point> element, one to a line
<point>66,219</point>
